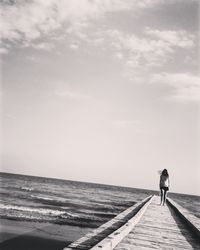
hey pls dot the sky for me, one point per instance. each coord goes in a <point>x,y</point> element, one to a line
<point>103,91</point>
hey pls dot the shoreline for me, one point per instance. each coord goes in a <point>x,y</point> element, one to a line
<point>34,235</point>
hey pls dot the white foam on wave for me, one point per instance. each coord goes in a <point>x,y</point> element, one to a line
<point>27,188</point>
<point>42,197</point>
<point>47,198</point>
<point>43,211</point>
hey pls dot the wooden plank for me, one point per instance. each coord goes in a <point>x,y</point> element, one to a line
<point>157,234</point>
<point>161,245</point>
<point>192,221</point>
<point>113,239</point>
<point>97,235</point>
<point>163,240</point>
<point>166,235</point>
<point>159,228</point>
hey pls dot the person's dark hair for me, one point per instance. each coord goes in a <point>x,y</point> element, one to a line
<point>165,172</point>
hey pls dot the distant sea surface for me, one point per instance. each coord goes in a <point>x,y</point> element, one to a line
<point>68,206</point>
<point>63,202</point>
<point>190,202</point>
<point>36,210</point>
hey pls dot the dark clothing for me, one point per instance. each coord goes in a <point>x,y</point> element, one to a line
<point>164,181</point>
<point>164,188</point>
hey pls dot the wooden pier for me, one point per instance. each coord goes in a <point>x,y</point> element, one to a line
<point>159,228</point>
<point>146,225</point>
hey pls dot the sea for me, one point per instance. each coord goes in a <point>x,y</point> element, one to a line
<point>52,213</point>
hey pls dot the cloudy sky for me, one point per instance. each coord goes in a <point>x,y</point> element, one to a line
<point>103,91</point>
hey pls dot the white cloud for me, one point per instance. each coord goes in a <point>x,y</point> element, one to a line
<point>43,46</point>
<point>178,38</point>
<point>152,49</point>
<point>119,55</point>
<point>24,21</point>
<point>185,86</point>
<point>29,20</point>
<point>74,46</point>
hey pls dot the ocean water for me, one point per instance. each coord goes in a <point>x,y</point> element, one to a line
<point>190,202</point>
<point>63,202</point>
<point>44,213</point>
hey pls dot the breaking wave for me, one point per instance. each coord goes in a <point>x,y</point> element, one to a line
<point>39,199</point>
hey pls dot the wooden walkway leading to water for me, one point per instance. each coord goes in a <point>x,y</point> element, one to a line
<point>145,226</point>
<point>159,228</point>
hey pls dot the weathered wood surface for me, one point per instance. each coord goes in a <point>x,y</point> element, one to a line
<point>93,238</point>
<point>159,228</point>
<point>192,221</point>
<point>117,236</point>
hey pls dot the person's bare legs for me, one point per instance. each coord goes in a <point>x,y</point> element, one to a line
<point>161,196</point>
<point>164,198</point>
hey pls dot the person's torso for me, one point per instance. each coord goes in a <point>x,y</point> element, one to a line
<point>164,181</point>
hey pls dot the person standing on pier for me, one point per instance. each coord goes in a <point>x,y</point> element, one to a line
<point>164,186</point>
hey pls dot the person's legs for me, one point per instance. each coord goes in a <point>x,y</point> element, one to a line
<point>164,198</point>
<point>161,196</point>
